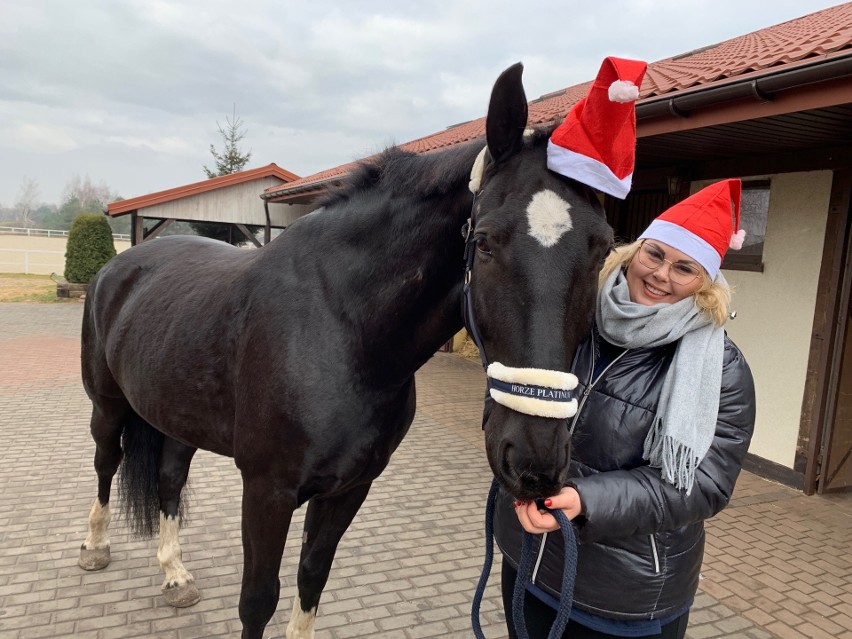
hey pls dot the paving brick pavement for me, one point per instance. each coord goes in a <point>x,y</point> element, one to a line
<point>778,563</point>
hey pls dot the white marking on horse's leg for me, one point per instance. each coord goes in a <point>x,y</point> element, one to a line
<point>549,217</point>
<point>178,587</point>
<point>301,624</point>
<point>169,554</point>
<point>98,536</point>
<point>95,554</point>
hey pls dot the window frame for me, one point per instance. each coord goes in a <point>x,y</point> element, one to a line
<point>734,261</point>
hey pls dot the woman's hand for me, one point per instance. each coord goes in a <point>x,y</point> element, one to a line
<point>537,522</point>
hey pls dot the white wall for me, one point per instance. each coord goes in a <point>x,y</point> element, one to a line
<point>775,308</point>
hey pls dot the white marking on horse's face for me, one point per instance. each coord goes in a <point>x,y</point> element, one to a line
<point>549,217</point>
<point>301,624</point>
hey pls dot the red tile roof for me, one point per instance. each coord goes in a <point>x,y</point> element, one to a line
<point>160,197</point>
<point>817,36</point>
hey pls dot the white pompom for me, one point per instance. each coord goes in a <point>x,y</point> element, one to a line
<point>737,239</point>
<point>623,91</point>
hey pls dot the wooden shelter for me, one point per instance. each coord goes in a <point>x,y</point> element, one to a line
<point>231,199</point>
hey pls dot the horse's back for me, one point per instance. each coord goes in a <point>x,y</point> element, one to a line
<point>164,262</point>
<point>168,282</point>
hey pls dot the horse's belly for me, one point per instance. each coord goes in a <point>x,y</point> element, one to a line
<point>325,447</point>
<point>183,413</point>
<point>180,382</point>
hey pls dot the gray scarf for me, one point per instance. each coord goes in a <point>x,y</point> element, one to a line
<point>685,422</point>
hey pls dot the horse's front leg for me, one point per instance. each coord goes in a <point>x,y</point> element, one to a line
<point>268,507</point>
<point>325,522</point>
<point>178,588</point>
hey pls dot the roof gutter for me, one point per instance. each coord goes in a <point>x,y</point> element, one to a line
<point>267,196</point>
<point>762,88</point>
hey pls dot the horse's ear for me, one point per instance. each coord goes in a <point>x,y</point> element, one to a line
<point>507,114</point>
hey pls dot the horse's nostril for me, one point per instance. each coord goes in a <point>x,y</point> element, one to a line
<point>527,477</point>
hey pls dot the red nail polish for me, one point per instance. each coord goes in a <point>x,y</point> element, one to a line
<point>516,503</point>
<point>548,503</point>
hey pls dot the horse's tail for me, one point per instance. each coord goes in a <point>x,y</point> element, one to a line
<point>138,483</point>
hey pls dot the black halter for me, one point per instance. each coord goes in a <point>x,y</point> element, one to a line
<point>467,302</point>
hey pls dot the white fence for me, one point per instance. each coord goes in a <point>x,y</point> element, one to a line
<point>37,253</point>
<point>14,230</point>
<point>29,261</point>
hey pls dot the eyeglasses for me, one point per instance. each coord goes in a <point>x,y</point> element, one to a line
<point>652,257</point>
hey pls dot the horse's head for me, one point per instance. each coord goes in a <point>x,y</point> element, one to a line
<point>538,242</point>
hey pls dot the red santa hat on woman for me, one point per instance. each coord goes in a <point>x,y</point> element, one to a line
<point>596,143</point>
<point>704,225</point>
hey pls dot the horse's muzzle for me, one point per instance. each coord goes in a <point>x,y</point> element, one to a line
<point>529,456</point>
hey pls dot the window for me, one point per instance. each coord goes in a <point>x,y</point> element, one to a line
<point>754,209</point>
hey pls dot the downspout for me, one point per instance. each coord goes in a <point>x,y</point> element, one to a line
<point>267,232</point>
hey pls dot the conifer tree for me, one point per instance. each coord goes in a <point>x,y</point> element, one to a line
<point>230,160</point>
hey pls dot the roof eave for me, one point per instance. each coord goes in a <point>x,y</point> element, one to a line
<point>122,207</point>
<point>760,86</point>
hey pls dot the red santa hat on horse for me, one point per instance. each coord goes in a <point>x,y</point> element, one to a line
<point>596,143</point>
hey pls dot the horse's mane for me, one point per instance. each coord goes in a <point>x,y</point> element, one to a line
<point>420,175</point>
<point>399,171</point>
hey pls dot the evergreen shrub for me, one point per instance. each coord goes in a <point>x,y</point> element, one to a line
<point>89,247</point>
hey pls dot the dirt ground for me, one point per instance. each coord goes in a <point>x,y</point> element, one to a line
<point>15,287</point>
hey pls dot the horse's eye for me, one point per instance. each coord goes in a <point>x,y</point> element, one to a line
<point>482,246</point>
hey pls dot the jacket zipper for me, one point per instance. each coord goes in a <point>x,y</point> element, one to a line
<point>538,559</point>
<point>656,555</point>
<point>586,394</point>
<point>591,386</point>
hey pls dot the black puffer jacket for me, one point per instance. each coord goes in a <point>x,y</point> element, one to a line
<point>641,541</point>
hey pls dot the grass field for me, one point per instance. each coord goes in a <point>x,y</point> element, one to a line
<point>16,287</point>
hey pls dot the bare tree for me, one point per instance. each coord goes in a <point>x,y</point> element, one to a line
<point>89,195</point>
<point>27,200</point>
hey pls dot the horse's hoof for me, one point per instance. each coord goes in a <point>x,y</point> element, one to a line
<point>182,596</point>
<point>94,559</point>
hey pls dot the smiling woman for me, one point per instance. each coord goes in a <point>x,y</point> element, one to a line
<point>660,273</point>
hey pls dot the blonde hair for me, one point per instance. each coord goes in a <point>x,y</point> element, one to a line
<point>712,298</point>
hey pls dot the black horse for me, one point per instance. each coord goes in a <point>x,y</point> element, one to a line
<point>298,359</point>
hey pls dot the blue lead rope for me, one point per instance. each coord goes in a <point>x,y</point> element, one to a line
<point>525,569</point>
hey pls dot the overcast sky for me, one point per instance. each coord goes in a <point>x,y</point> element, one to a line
<point>129,92</point>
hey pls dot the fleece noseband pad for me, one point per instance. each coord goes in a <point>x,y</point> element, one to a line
<point>533,391</point>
